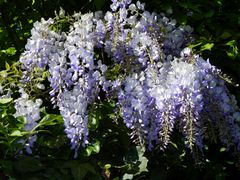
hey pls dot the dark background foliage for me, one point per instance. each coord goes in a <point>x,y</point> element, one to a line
<point>111,155</point>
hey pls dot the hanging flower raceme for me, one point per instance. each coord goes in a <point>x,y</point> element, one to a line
<point>160,85</point>
<point>189,95</point>
<point>30,110</point>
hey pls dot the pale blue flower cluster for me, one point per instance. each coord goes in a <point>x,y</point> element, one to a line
<point>161,85</point>
<point>136,37</point>
<point>186,93</point>
<point>30,111</point>
<point>40,45</point>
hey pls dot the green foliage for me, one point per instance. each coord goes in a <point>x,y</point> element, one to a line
<point>207,46</point>
<point>5,100</point>
<point>10,51</point>
<point>232,52</point>
<point>9,127</point>
<point>135,162</point>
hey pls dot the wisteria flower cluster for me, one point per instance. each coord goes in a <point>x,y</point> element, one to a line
<point>161,85</point>
<point>30,110</point>
<point>189,96</point>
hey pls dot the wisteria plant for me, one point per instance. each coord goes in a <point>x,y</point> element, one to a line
<point>135,61</point>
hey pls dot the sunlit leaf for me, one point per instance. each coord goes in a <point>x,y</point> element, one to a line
<point>5,100</point>
<point>143,160</point>
<point>92,148</point>
<point>7,66</point>
<point>16,133</point>
<point>223,149</point>
<point>232,52</point>
<point>207,46</point>
<point>10,51</point>
<point>194,45</point>
<point>127,176</point>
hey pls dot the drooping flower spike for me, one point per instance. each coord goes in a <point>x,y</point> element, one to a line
<point>161,85</point>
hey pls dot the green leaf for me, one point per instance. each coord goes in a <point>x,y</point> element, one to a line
<point>174,144</point>
<point>223,149</point>
<point>230,162</point>
<point>92,148</point>
<point>194,45</point>
<point>127,176</point>
<point>94,118</point>
<point>113,73</point>
<point>88,152</point>
<point>232,52</point>
<point>50,120</point>
<point>225,35</point>
<point>231,43</point>
<point>143,160</point>
<point>107,166</point>
<point>16,133</point>
<point>96,147</point>
<point>7,66</point>
<point>5,100</point>
<point>207,46</point>
<point>136,161</point>
<point>10,51</point>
